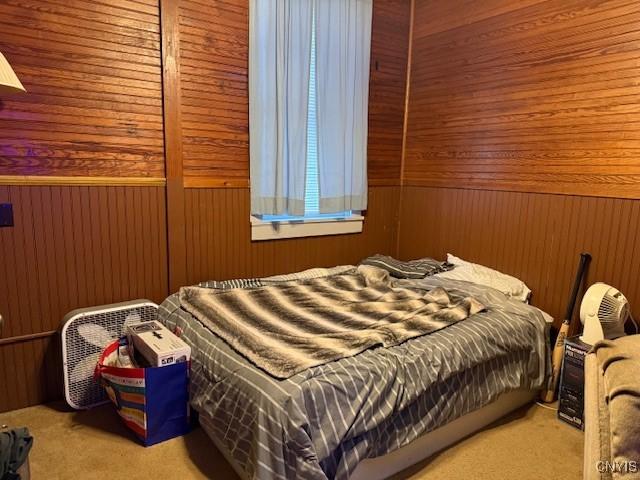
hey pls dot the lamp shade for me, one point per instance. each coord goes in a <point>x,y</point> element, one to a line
<point>9,82</point>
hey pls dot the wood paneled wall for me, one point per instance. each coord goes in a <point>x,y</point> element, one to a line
<point>220,246</point>
<point>214,90</point>
<point>93,110</point>
<point>214,40</point>
<point>213,74</point>
<point>522,117</point>
<point>533,96</point>
<point>120,91</point>
<point>93,75</point>
<point>387,88</point>
<point>526,95</point>
<point>30,372</point>
<point>70,247</point>
<point>92,115</point>
<point>536,237</point>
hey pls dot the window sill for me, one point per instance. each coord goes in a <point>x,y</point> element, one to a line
<point>311,227</point>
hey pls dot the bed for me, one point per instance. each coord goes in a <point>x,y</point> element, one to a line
<point>369,414</point>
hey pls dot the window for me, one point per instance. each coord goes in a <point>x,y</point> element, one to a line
<point>308,65</point>
<point>312,190</point>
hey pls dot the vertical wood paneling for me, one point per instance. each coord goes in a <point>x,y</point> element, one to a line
<point>534,236</point>
<point>218,232</point>
<point>66,251</point>
<point>526,95</point>
<point>71,247</point>
<point>30,372</point>
<point>94,102</point>
<point>214,89</point>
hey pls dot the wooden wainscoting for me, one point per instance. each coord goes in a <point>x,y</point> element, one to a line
<point>30,372</point>
<point>71,247</point>
<point>220,247</point>
<point>536,237</point>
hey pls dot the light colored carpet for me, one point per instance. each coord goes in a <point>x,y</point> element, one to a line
<point>529,444</point>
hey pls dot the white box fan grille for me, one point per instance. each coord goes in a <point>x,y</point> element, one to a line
<point>85,334</point>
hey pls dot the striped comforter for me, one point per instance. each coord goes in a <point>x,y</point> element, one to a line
<point>288,327</point>
<point>321,422</point>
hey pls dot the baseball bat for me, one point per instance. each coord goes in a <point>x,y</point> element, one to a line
<point>558,350</point>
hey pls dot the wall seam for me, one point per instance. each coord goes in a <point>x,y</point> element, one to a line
<point>405,125</point>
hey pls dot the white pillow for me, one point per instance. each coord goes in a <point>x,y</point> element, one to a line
<point>472,272</point>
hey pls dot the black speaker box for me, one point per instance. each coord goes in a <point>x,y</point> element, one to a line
<point>571,405</point>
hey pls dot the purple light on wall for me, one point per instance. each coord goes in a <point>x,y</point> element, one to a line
<point>18,155</point>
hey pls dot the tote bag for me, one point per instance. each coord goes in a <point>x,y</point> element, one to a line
<point>152,401</point>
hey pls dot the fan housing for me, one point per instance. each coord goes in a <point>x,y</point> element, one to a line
<point>603,312</point>
<point>85,334</point>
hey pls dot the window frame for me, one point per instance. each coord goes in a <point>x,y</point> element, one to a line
<point>295,227</point>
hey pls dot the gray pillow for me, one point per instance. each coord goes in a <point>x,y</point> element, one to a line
<point>413,269</point>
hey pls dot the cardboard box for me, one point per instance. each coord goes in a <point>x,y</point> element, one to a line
<point>157,344</point>
<point>571,405</point>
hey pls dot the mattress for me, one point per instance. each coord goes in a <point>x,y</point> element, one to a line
<point>322,422</point>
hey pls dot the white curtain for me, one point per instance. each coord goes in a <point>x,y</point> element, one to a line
<point>343,42</point>
<point>279,58</point>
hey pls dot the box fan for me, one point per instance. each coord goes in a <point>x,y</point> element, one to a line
<point>85,333</point>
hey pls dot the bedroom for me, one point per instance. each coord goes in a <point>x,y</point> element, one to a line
<point>498,131</point>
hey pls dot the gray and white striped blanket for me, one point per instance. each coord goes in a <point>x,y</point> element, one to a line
<point>320,423</point>
<point>286,328</point>
<point>419,268</point>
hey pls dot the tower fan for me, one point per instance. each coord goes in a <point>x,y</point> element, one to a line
<point>603,313</point>
<point>85,334</point>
